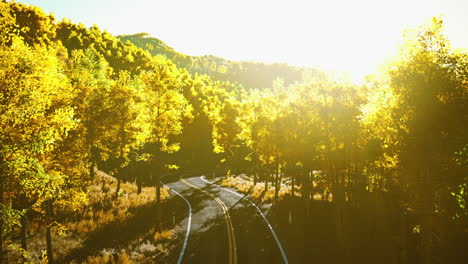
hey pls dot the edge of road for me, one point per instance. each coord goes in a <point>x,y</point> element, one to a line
<point>227,218</point>
<point>189,223</point>
<point>278,243</point>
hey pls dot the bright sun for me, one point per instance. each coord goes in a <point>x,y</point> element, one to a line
<point>355,36</point>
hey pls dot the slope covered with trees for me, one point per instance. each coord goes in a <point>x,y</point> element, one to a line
<point>390,154</point>
<point>249,74</point>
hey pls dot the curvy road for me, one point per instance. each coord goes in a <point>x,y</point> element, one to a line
<point>219,225</point>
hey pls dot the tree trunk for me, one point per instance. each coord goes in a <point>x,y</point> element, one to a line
<point>158,200</point>
<point>292,184</point>
<point>118,187</point>
<point>403,236</point>
<point>50,255</point>
<point>24,245</point>
<point>338,201</point>
<point>91,170</point>
<point>304,185</point>
<point>426,212</point>
<point>308,191</point>
<point>158,188</point>
<point>138,177</point>
<point>277,181</point>
<point>1,218</point>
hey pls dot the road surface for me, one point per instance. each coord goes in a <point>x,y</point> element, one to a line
<point>221,226</point>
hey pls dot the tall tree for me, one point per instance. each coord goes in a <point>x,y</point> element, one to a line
<point>89,76</point>
<point>34,119</point>
<point>128,130</point>
<point>425,97</point>
<point>166,108</point>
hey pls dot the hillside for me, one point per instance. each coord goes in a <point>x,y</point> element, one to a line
<point>96,130</point>
<point>250,74</point>
<point>87,234</point>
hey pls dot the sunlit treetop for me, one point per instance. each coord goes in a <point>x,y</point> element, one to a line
<point>339,34</point>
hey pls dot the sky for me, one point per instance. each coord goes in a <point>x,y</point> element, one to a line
<point>352,35</point>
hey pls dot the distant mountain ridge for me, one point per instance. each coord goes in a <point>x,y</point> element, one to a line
<point>133,53</point>
<point>249,74</point>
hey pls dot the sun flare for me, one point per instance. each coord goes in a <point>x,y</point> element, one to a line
<point>354,36</point>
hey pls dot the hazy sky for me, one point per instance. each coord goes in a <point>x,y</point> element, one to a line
<point>354,35</point>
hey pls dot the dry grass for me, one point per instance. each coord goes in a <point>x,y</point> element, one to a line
<point>103,207</point>
<point>245,185</point>
<point>141,250</point>
<point>107,257</point>
<point>163,236</point>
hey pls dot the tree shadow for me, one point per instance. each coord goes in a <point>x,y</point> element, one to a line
<point>206,244</point>
<point>119,234</point>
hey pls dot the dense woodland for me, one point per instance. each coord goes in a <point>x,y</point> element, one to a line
<point>75,99</point>
<point>250,74</point>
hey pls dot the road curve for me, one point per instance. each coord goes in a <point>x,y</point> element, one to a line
<point>252,241</point>
<point>189,223</point>
<point>278,243</point>
<point>227,218</point>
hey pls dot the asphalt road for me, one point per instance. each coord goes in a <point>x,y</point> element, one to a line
<point>224,226</point>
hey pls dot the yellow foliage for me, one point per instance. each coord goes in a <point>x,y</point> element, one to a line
<point>245,186</point>
<point>163,235</point>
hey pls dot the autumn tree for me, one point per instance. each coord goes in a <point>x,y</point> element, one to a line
<point>128,128</point>
<point>224,108</point>
<point>263,126</point>
<point>88,75</point>
<point>419,122</point>
<point>165,109</point>
<point>35,117</point>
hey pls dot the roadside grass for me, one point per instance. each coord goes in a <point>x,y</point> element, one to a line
<point>103,208</point>
<point>145,249</point>
<point>108,257</point>
<point>245,185</point>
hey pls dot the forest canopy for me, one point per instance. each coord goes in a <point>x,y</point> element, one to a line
<point>75,99</point>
